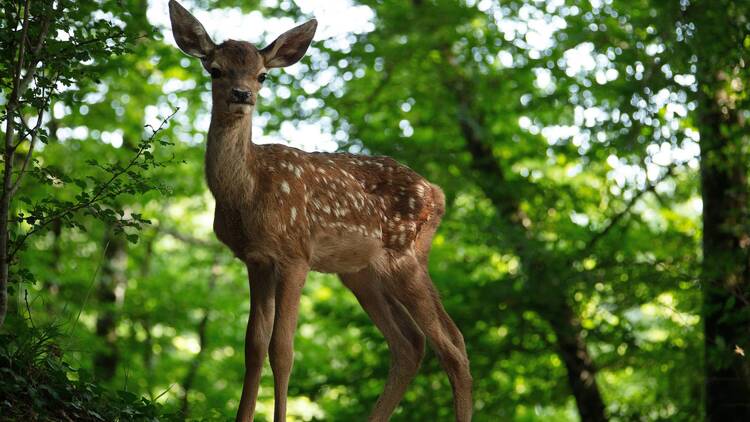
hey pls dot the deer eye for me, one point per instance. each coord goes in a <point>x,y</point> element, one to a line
<point>215,72</point>
<point>262,77</point>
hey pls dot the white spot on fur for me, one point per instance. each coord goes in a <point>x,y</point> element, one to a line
<point>293,215</point>
<point>285,186</point>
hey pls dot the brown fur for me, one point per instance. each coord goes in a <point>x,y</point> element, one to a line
<point>308,204</point>
<point>285,212</point>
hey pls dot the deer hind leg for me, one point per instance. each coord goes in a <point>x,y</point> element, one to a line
<point>405,340</point>
<point>412,285</point>
<point>258,335</point>
<point>291,279</point>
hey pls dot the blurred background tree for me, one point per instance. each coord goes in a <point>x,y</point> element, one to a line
<point>594,155</point>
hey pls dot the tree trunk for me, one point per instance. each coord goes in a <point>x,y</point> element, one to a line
<point>187,383</point>
<point>534,261</point>
<point>726,266</point>
<point>145,318</point>
<point>111,293</point>
<point>4,214</point>
<point>581,371</point>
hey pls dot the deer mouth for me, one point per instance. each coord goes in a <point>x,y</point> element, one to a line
<point>241,108</point>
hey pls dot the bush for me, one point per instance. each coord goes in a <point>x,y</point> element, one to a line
<point>38,385</point>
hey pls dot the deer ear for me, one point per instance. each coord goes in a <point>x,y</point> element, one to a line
<point>290,46</point>
<point>190,35</point>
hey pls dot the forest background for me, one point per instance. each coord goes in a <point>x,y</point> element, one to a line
<point>595,251</point>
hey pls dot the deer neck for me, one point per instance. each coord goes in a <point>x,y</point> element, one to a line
<point>230,159</point>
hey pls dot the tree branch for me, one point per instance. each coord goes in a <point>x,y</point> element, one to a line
<point>182,237</point>
<point>97,195</point>
<point>32,143</point>
<point>31,68</point>
<point>614,220</point>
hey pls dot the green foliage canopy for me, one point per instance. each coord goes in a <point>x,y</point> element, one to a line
<point>565,135</point>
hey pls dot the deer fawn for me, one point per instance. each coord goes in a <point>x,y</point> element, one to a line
<point>285,212</point>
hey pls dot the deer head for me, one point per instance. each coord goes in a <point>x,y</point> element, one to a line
<point>237,68</point>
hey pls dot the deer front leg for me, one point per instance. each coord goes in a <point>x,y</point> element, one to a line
<point>258,335</point>
<point>288,292</point>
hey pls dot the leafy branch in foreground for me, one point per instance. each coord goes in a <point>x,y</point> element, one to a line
<point>98,199</point>
<point>34,73</point>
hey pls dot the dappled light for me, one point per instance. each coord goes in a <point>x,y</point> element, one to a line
<point>595,158</point>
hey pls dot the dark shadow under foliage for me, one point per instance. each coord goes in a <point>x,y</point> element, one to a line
<point>37,385</point>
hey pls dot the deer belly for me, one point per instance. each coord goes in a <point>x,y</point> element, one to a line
<point>344,253</point>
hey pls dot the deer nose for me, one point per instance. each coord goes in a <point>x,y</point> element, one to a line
<point>241,96</point>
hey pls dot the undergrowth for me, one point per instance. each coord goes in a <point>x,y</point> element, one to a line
<point>36,384</point>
